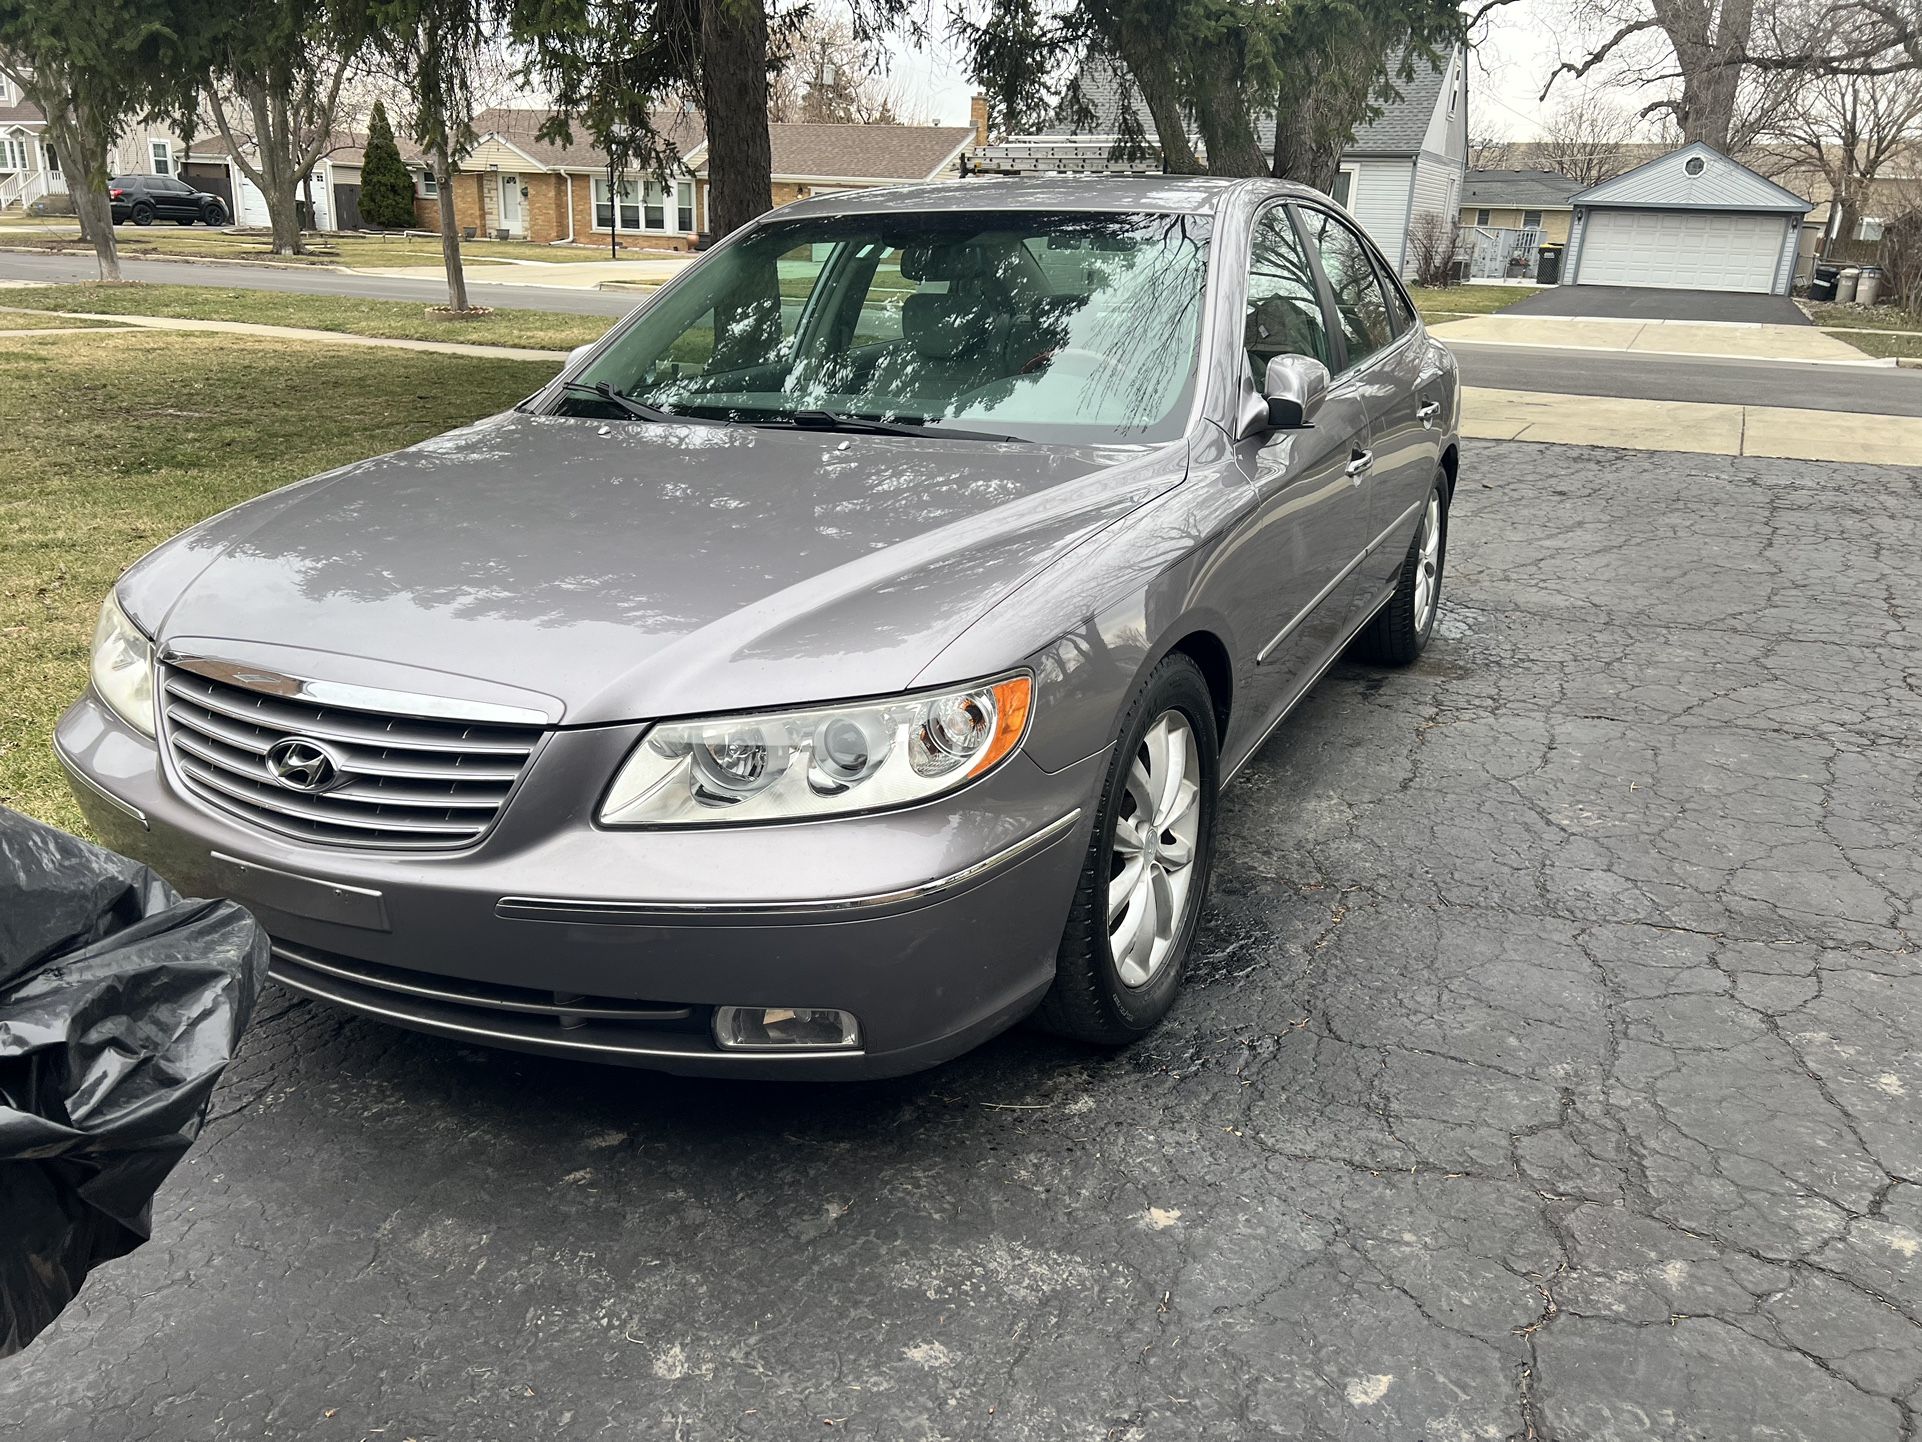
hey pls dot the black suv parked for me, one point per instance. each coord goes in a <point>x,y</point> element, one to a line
<point>143,199</point>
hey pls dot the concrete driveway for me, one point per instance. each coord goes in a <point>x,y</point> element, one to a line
<point>1549,1070</point>
<point>1624,302</point>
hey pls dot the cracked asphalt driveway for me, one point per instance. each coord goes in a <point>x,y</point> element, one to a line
<point>1548,1071</point>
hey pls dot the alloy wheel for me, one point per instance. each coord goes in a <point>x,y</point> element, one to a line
<point>1156,829</point>
<point>1428,564</point>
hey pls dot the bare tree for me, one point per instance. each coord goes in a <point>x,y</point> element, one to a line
<point>1493,153</point>
<point>825,72</point>
<point>1848,128</point>
<point>1587,139</point>
<point>1691,53</point>
<point>1432,241</point>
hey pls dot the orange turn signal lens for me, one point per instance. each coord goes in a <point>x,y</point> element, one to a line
<point>1011,703</point>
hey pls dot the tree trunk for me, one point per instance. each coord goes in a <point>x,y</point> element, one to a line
<point>450,235</point>
<point>734,102</point>
<point>1154,74</point>
<point>84,157</point>
<point>1221,108</point>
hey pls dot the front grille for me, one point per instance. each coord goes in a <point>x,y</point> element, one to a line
<point>404,783</point>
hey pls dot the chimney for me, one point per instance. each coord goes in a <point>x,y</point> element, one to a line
<point>978,118</point>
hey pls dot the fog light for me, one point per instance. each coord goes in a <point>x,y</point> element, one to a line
<point>776,1028</point>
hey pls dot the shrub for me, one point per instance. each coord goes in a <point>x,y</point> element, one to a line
<point>386,186</point>
<point>1432,239</point>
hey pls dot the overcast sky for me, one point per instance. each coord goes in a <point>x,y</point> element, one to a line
<point>1508,72</point>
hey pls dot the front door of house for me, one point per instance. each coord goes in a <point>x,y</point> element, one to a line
<point>511,204</point>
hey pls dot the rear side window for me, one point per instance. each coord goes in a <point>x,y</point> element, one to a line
<point>1359,303</point>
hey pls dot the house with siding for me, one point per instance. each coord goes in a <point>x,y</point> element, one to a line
<point>1532,200</point>
<point>31,176</point>
<point>515,183</point>
<point>1407,161</point>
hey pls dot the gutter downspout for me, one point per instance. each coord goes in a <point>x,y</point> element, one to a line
<point>567,179</point>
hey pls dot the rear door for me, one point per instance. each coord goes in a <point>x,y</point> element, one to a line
<point>1391,368</point>
<point>1291,559</point>
<point>172,198</point>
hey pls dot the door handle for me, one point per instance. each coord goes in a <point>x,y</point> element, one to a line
<point>1426,415</point>
<point>1358,465</point>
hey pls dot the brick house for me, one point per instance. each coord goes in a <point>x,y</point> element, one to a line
<point>538,190</point>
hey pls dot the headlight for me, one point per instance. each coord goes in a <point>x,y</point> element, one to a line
<point>123,667</point>
<point>790,765</point>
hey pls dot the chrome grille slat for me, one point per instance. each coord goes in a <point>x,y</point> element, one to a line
<point>367,761</point>
<point>409,783</point>
<point>355,728</point>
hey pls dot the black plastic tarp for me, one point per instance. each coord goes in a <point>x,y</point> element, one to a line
<point>120,1005</point>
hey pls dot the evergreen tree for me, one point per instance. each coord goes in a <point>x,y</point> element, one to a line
<point>386,186</point>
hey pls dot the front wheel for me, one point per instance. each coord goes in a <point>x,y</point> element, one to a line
<point>1139,897</point>
<point>143,214</point>
<point>1401,628</point>
<point>214,214</point>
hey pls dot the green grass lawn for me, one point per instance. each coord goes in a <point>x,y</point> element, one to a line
<point>27,320</point>
<point>1891,343</point>
<point>398,319</point>
<point>1453,302</point>
<point>118,441</point>
<point>355,250</point>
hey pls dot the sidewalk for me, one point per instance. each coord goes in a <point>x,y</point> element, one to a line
<point>285,332</point>
<point>1700,339</point>
<point>1787,433</point>
<point>557,275</point>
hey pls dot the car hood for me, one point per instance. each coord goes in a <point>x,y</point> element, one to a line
<point>623,571</point>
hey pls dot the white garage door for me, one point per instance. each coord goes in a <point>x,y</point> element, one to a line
<point>1681,249</point>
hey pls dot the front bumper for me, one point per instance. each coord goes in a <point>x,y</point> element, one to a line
<point>935,926</point>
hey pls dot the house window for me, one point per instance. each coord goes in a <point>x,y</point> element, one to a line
<point>684,207</point>
<point>1481,217</point>
<point>163,156</point>
<point>53,158</point>
<point>654,206</point>
<point>13,153</point>
<point>1345,185</point>
<point>429,185</point>
<point>1531,220</point>
<point>604,206</point>
<point>1868,228</point>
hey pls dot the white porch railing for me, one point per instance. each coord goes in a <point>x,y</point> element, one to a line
<point>23,187</point>
<point>1494,253</point>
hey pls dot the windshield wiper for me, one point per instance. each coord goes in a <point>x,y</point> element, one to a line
<point>601,390</point>
<point>876,426</point>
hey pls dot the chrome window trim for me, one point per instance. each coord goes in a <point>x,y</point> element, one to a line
<point>617,912</point>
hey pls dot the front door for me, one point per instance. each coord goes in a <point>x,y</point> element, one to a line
<point>1389,366</point>
<point>511,205</point>
<point>1291,558</point>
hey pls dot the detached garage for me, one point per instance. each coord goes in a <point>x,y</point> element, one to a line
<point>1691,220</point>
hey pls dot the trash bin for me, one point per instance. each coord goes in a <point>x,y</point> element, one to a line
<point>1822,282</point>
<point>1845,284</point>
<point>1548,264</point>
<point>120,1006</point>
<point>1869,286</point>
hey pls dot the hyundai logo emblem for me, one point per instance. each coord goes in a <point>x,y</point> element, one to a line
<point>302,765</point>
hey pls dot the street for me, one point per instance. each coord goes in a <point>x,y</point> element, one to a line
<point>1546,1070</point>
<point>1566,372</point>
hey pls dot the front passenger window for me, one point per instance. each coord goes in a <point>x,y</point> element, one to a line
<point>1351,275</point>
<point>1284,312</point>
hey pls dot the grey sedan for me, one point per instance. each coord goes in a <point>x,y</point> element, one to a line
<point>837,663</point>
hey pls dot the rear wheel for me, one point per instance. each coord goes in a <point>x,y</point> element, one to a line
<point>1139,897</point>
<point>1401,628</point>
<point>143,214</point>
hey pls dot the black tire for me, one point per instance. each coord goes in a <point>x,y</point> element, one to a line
<point>215,214</point>
<point>143,214</point>
<point>1089,1001</point>
<point>1397,634</point>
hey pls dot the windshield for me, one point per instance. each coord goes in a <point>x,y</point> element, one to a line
<point>1078,328</point>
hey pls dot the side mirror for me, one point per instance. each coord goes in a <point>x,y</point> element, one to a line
<point>574,356</point>
<point>1295,387</point>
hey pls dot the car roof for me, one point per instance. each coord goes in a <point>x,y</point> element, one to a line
<point>1183,194</point>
